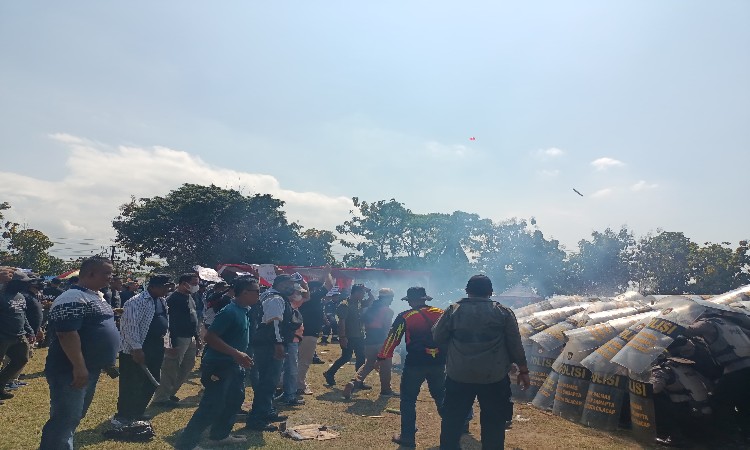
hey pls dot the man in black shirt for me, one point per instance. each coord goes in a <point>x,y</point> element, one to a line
<point>312,321</point>
<point>184,340</point>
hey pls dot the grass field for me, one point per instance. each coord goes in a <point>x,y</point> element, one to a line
<point>22,418</point>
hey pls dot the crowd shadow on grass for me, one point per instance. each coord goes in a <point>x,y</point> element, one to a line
<point>92,436</point>
<point>367,407</point>
<point>334,395</point>
<point>31,376</point>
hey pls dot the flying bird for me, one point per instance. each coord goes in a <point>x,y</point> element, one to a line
<point>576,191</point>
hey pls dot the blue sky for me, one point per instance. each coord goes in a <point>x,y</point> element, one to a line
<point>642,106</point>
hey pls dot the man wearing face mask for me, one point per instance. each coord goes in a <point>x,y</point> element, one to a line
<point>183,344</point>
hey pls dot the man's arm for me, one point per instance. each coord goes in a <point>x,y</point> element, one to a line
<point>70,341</point>
<point>393,339</point>
<point>442,330</point>
<point>217,343</point>
<point>515,349</point>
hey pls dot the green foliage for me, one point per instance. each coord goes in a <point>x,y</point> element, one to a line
<point>602,265</point>
<point>662,263</point>
<point>207,225</point>
<point>717,268</point>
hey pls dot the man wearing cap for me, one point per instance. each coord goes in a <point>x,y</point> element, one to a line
<point>276,329</point>
<point>376,319</point>
<point>143,325</point>
<point>14,329</point>
<point>425,360</point>
<point>482,342</point>
<point>84,340</point>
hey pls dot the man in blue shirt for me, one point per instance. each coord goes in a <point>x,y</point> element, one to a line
<point>223,370</point>
<point>84,341</point>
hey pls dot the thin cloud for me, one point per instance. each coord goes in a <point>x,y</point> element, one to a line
<point>548,154</point>
<point>642,185</point>
<point>602,193</point>
<point>443,151</point>
<point>100,178</point>
<point>606,163</point>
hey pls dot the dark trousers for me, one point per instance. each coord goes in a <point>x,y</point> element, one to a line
<point>355,346</point>
<point>493,404</point>
<point>136,389</point>
<point>411,383</point>
<point>269,374</point>
<point>219,406</point>
<point>17,351</point>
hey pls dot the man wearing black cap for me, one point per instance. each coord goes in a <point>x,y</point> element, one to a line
<point>143,325</point>
<point>425,360</point>
<point>482,342</point>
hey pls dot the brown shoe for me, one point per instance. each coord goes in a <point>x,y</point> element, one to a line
<point>403,442</point>
<point>348,389</point>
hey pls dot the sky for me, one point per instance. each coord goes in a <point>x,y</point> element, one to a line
<point>642,106</point>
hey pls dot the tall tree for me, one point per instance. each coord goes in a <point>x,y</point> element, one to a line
<point>716,268</point>
<point>207,225</point>
<point>602,265</point>
<point>661,263</point>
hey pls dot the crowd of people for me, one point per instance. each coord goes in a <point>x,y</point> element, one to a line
<point>265,338</point>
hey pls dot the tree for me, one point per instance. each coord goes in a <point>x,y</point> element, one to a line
<point>716,268</point>
<point>602,265</point>
<point>661,263</point>
<point>24,247</point>
<point>207,225</point>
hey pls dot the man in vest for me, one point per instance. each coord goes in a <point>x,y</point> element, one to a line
<point>351,332</point>
<point>425,361</point>
<point>482,342</point>
<point>275,330</point>
<point>143,325</point>
<point>730,346</point>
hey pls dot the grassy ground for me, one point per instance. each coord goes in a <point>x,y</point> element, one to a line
<point>22,418</point>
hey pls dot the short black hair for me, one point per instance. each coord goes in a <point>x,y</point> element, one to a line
<point>240,284</point>
<point>187,276</point>
<point>479,285</point>
<point>93,263</point>
<point>357,287</point>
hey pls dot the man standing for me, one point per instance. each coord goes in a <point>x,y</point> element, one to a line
<point>84,341</point>
<point>184,341</point>
<point>425,361</point>
<point>129,292</point>
<point>143,325</point>
<point>223,370</point>
<point>15,330</point>
<point>351,332</point>
<point>274,331</point>
<point>312,320</point>
<point>482,342</point>
<point>376,319</point>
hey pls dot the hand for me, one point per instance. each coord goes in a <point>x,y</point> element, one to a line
<point>243,360</point>
<point>343,342</point>
<point>278,352</point>
<point>171,352</point>
<point>40,336</point>
<point>118,311</point>
<point>523,380</point>
<point>138,356</point>
<point>31,338</point>
<point>80,377</point>
<point>6,274</point>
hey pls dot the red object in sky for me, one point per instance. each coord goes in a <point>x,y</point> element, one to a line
<point>472,138</point>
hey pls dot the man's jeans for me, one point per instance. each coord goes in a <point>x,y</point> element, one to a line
<point>411,382</point>
<point>354,346</point>
<point>291,371</point>
<point>493,404</point>
<point>176,369</point>
<point>17,350</point>
<point>269,371</point>
<point>219,406</point>
<point>67,406</point>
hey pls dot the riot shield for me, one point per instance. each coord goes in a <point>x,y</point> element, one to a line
<point>540,365</point>
<point>737,295</point>
<point>545,397</point>
<point>642,413</point>
<point>570,392</point>
<point>604,401</point>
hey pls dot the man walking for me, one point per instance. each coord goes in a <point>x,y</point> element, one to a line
<point>84,341</point>
<point>425,361</point>
<point>351,332</point>
<point>223,370</point>
<point>312,320</point>
<point>184,341</point>
<point>482,342</point>
<point>143,325</point>
<point>15,330</point>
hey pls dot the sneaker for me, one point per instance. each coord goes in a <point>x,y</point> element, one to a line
<point>390,393</point>
<point>403,442</point>
<point>5,395</point>
<point>261,426</point>
<point>229,440</point>
<point>11,386</point>
<point>292,402</point>
<point>305,391</point>
<point>348,389</point>
<point>330,378</point>
<point>363,387</point>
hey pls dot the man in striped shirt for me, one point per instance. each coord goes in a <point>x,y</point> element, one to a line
<point>143,325</point>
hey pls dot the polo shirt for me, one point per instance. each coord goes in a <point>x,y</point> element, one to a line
<point>233,327</point>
